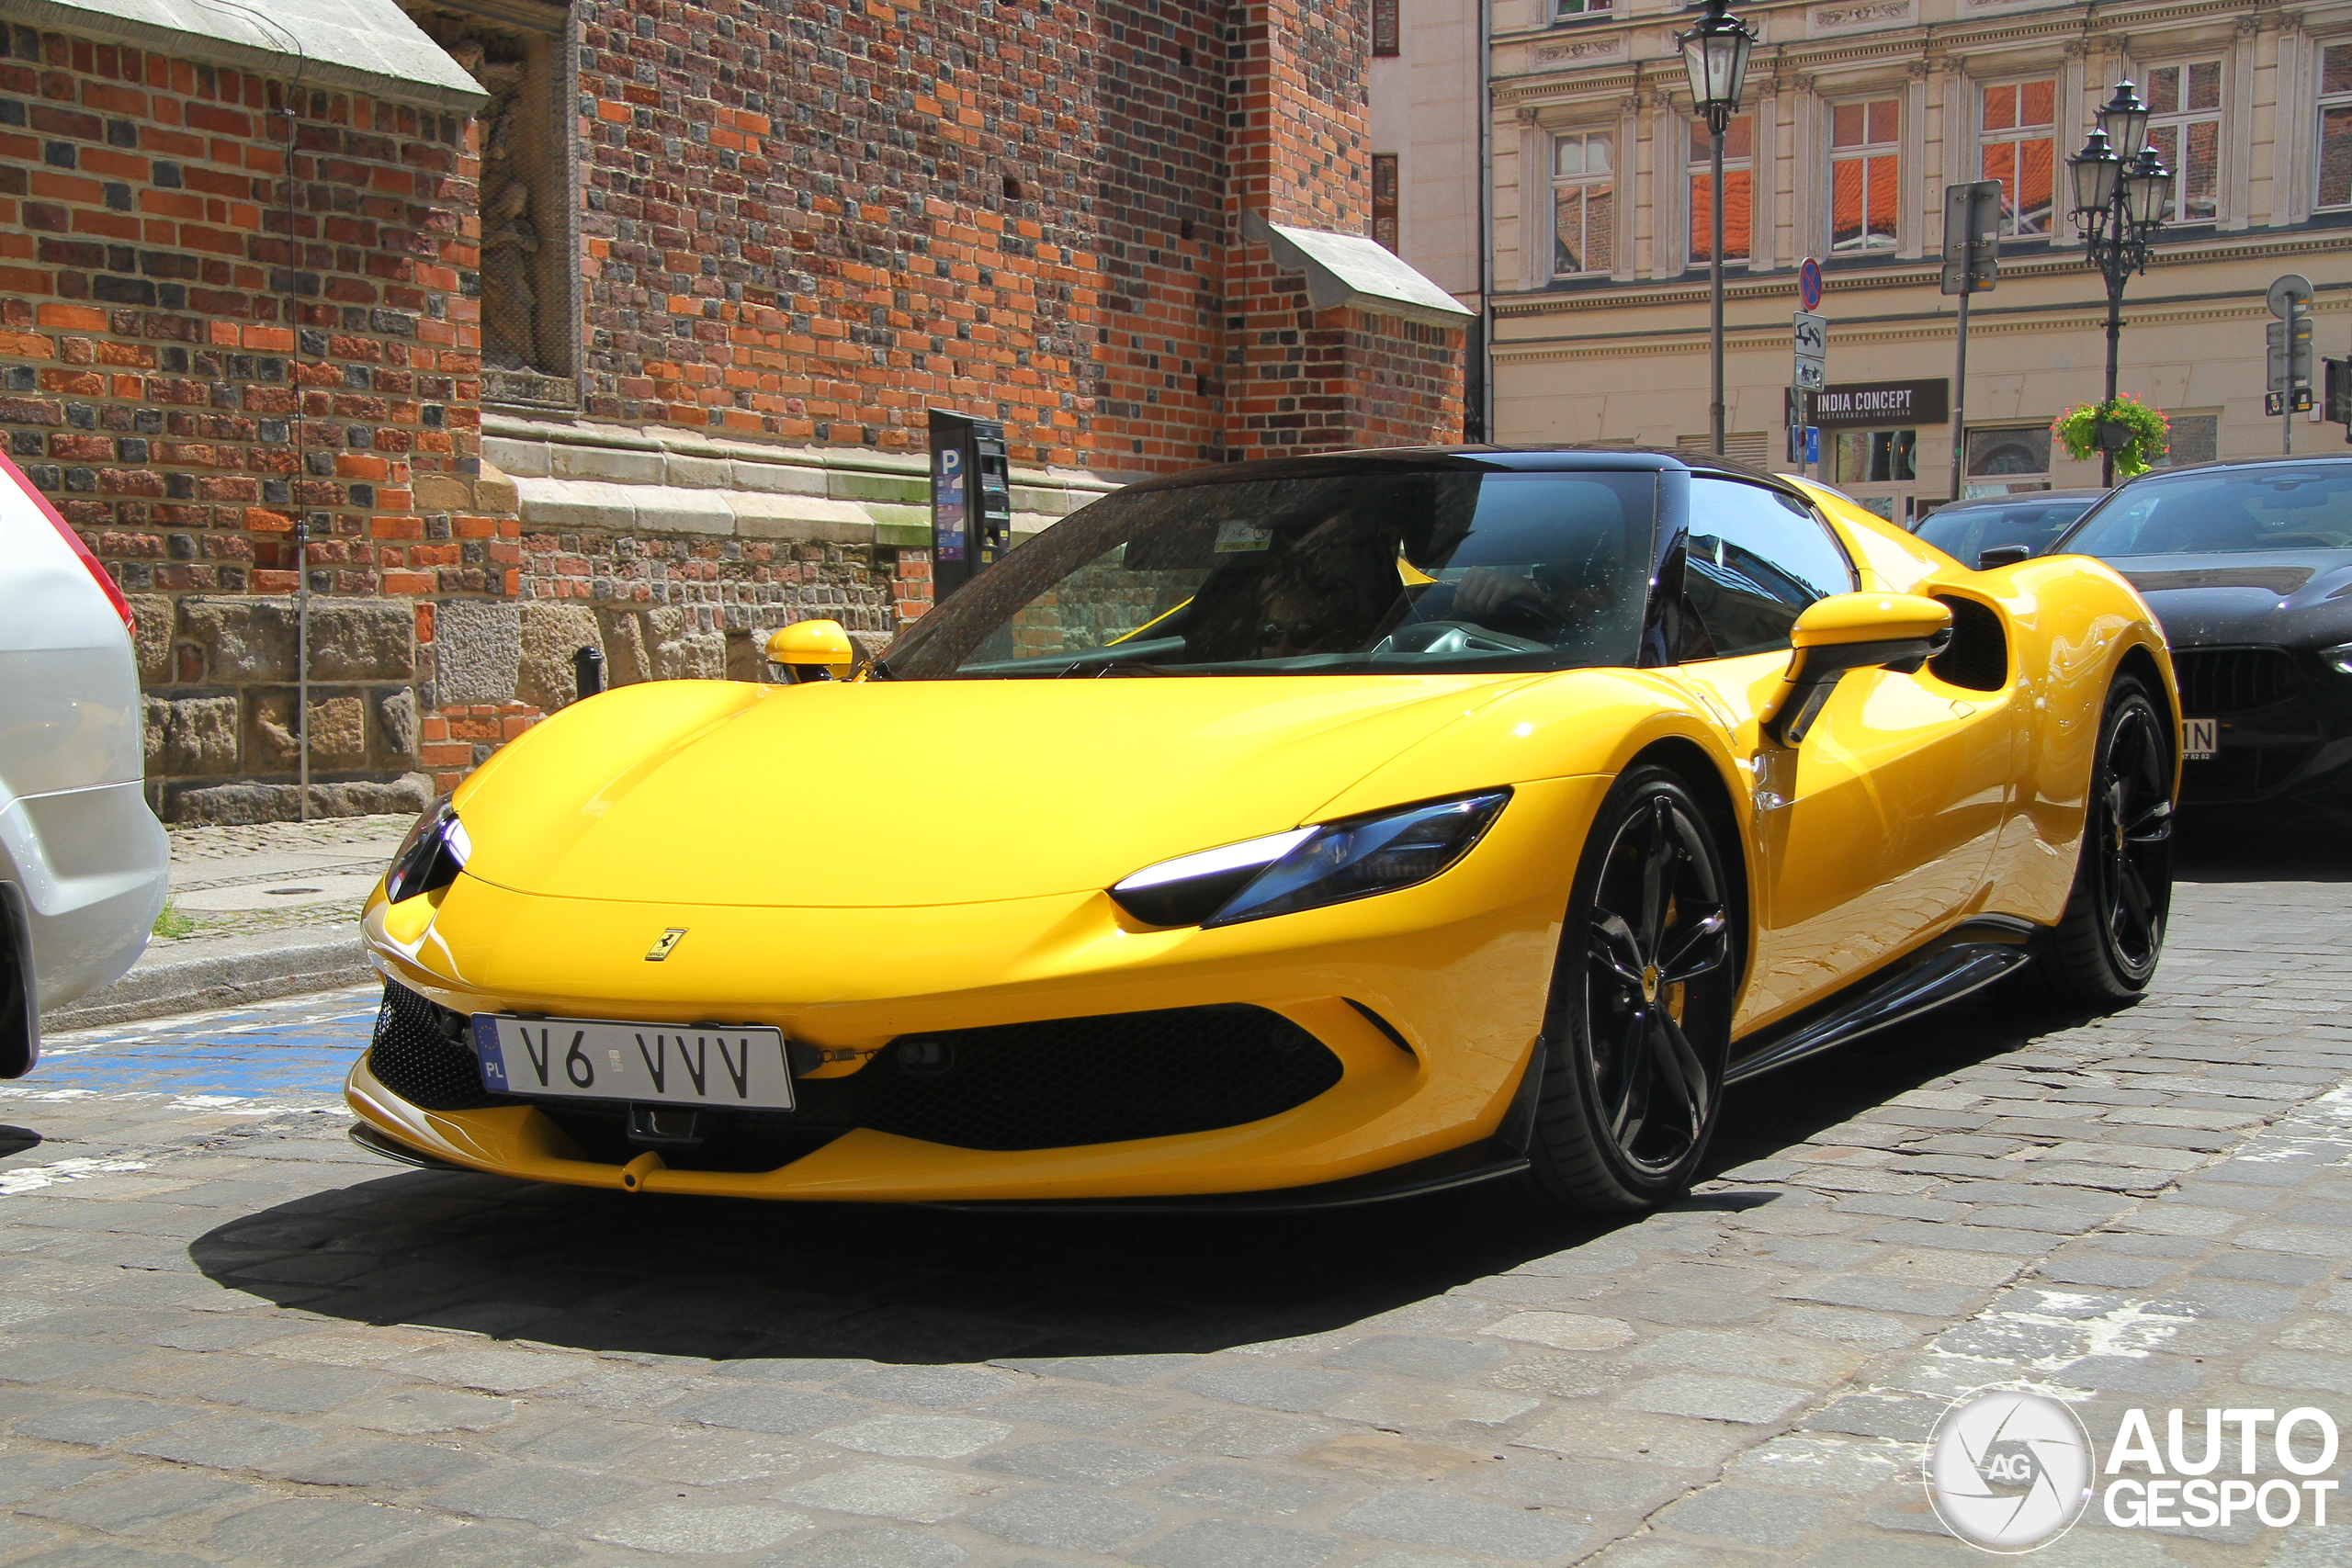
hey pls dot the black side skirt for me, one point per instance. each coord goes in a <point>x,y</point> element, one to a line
<point>1970,959</point>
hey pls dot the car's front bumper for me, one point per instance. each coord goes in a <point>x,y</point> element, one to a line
<point>1457,967</point>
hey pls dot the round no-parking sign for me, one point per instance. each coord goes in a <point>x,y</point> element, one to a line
<point>1809,283</point>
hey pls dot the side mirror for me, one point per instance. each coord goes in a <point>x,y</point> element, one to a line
<point>2003,554</point>
<point>1852,631</point>
<point>812,650</point>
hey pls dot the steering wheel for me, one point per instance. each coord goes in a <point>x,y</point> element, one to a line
<point>1458,637</point>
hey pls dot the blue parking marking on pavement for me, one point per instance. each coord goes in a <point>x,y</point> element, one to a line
<point>290,1053</point>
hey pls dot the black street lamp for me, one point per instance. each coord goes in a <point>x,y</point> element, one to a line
<point>2121,189</point>
<point>1716,54</point>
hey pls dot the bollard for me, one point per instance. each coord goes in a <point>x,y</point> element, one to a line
<point>588,669</point>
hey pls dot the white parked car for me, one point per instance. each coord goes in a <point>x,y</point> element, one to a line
<point>84,863</point>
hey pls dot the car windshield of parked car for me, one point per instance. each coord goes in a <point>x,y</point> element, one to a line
<point>1967,531</point>
<point>1383,572</point>
<point>2224,512</point>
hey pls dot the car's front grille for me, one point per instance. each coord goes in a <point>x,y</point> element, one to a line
<point>424,1053</point>
<point>2235,680</point>
<point>1024,1086</point>
<point>1097,1080</point>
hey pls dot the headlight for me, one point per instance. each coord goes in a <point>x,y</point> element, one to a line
<point>1308,867</point>
<point>431,856</point>
<point>2339,656</point>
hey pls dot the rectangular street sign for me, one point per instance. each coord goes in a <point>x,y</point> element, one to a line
<point>2290,352</point>
<point>1812,335</point>
<point>1972,236</point>
<point>1812,375</point>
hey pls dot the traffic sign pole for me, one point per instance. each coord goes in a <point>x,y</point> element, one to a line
<point>1810,338</point>
<point>2290,353</point>
<point>1971,262</point>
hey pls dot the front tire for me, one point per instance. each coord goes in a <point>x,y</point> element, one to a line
<point>2105,950</point>
<point>1639,1025</point>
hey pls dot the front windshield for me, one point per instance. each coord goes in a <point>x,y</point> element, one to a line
<point>2226,512</point>
<point>1967,531</point>
<point>1394,572</point>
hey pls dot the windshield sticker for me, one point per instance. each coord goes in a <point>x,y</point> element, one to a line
<point>1234,536</point>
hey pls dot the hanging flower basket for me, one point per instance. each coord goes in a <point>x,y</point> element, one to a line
<point>2135,433</point>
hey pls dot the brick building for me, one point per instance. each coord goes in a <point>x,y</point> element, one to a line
<point>522,327</point>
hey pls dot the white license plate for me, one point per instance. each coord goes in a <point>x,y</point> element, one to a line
<point>2201,737</point>
<point>589,1058</point>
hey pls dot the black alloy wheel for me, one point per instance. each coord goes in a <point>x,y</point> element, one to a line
<point>2105,948</point>
<point>1639,1023</point>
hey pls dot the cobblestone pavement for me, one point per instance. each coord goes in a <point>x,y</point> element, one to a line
<point>227,1337</point>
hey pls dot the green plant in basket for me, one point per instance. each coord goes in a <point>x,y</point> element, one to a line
<point>2135,433</point>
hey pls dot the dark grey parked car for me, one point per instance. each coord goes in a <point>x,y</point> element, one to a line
<point>1965,530</point>
<point>2249,567</point>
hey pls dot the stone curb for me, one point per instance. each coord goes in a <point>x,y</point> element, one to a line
<point>222,980</point>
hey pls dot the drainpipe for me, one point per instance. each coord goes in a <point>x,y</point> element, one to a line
<point>1483,359</point>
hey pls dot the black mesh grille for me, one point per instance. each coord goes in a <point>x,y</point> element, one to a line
<point>2234,679</point>
<point>1978,658</point>
<point>1098,1080</point>
<point>1028,1086</point>
<point>424,1053</point>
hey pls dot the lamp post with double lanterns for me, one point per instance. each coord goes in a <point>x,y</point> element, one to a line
<point>1716,54</point>
<point>2122,188</point>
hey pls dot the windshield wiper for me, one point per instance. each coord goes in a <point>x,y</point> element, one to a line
<point>1095,669</point>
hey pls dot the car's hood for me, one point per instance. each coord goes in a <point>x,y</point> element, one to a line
<point>878,793</point>
<point>2287,597</point>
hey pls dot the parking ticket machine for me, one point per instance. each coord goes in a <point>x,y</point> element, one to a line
<point>971,499</point>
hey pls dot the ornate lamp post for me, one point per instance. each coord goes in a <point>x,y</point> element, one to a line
<point>1716,54</point>
<point>2121,189</point>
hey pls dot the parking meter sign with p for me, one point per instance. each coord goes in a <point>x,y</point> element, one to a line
<point>971,498</point>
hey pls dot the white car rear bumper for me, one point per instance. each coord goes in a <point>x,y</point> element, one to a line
<point>93,865</point>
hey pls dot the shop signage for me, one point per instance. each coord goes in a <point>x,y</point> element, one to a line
<point>1880,405</point>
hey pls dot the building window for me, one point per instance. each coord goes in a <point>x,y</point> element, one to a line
<point>1386,39</point>
<point>1873,457</point>
<point>2004,462</point>
<point>1739,205</point>
<point>1383,198</point>
<point>1584,204</point>
<point>2190,438</point>
<point>2022,152</point>
<point>2336,125</point>
<point>1564,9</point>
<point>1863,174</point>
<point>2184,128</point>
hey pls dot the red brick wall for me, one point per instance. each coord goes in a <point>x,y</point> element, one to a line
<point>151,299</point>
<point>190,367</point>
<point>816,224</point>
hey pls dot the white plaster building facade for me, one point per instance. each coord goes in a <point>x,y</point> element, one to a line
<point>1858,114</point>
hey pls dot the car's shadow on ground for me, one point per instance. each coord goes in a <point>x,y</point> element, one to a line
<point>723,1279</point>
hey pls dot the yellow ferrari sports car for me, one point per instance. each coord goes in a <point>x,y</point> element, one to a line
<point>1289,834</point>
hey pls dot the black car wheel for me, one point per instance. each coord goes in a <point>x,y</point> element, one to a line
<point>2105,947</point>
<point>1639,1021</point>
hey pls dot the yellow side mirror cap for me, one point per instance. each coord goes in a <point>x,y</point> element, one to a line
<point>804,646</point>
<point>1869,617</point>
